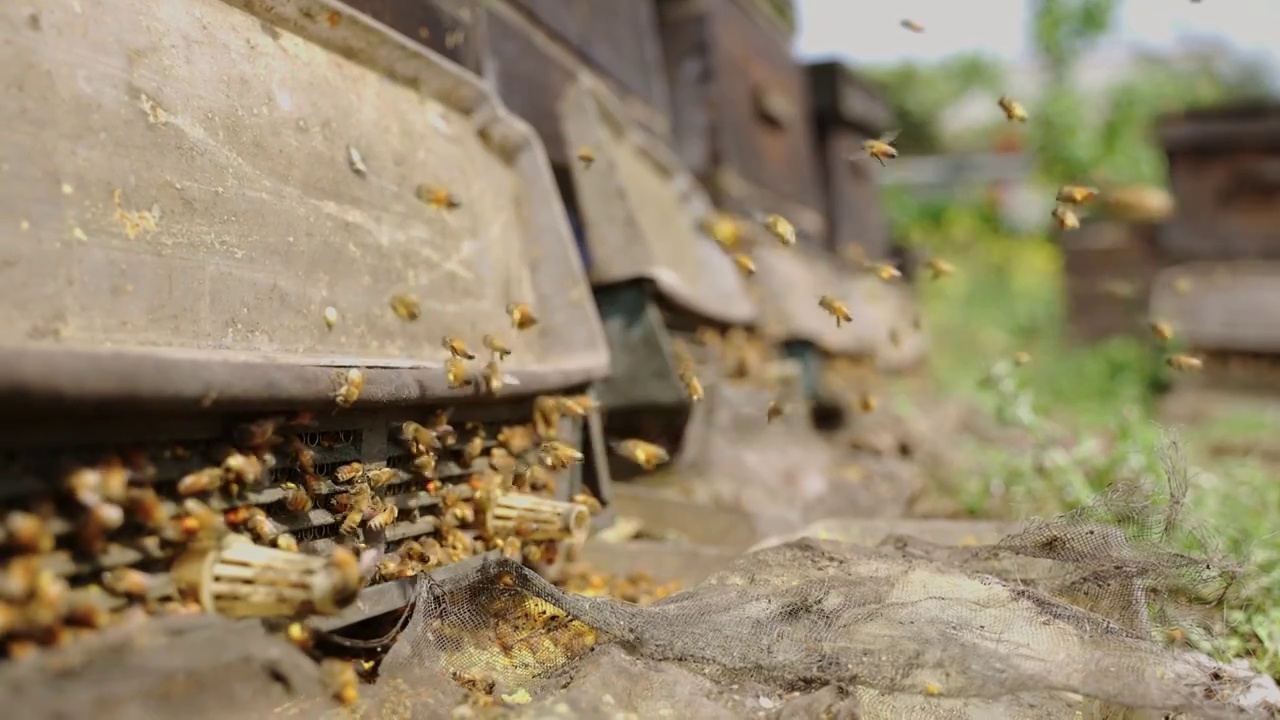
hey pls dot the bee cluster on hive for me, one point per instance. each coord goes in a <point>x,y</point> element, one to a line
<point>203,526</point>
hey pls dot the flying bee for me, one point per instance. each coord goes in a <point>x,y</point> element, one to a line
<point>247,469</point>
<point>384,517</point>
<point>1021,357</point>
<point>724,230</point>
<point>349,391</point>
<point>745,264</point>
<point>406,306</point>
<point>456,348</point>
<point>521,315</point>
<point>886,272</point>
<point>881,148</point>
<point>261,527</point>
<point>836,308</point>
<point>1076,194</point>
<point>330,317</point>
<point>1184,363</point>
<point>556,455</point>
<point>939,268</point>
<point>201,481</point>
<point>496,346</point>
<point>295,498</point>
<point>438,197</point>
<point>590,502</point>
<point>692,385</point>
<point>1161,330</point>
<point>867,402</point>
<point>425,464</point>
<point>349,472</point>
<point>643,453</point>
<point>1013,109</point>
<point>774,411</point>
<point>419,439</point>
<point>913,26</point>
<point>1065,218</point>
<point>493,381</point>
<point>517,439</point>
<point>455,373</point>
<point>586,156</point>
<point>28,531</point>
<point>578,406</point>
<point>299,635</point>
<point>287,542</point>
<point>340,679</point>
<point>780,228</point>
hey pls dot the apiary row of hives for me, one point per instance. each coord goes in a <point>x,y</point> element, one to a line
<point>1200,264</point>
<point>252,284</point>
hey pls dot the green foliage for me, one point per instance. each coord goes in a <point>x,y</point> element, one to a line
<point>1063,30</point>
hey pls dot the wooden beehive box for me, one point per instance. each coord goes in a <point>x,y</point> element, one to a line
<point>1224,170</point>
<point>848,109</point>
<point>1108,270</point>
<point>741,109</point>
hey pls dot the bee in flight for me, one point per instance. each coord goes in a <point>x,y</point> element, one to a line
<point>1076,194</point>
<point>780,228</point>
<point>744,263</point>
<point>586,156</point>
<point>881,148</point>
<point>836,308</point>
<point>1184,362</point>
<point>1012,109</point>
<point>1162,330</point>
<point>913,26</point>
<point>645,454</point>
<point>1066,218</point>
<point>939,268</point>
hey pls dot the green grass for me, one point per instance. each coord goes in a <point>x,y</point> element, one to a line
<point>1093,410</point>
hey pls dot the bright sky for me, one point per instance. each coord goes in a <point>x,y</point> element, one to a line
<point>870,32</point>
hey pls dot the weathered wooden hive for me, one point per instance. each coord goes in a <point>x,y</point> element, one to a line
<point>1109,267</point>
<point>241,231</point>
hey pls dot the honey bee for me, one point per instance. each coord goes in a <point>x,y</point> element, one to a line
<point>496,346</point>
<point>692,385</point>
<point>472,450</point>
<point>330,317</point>
<point>261,527</point>
<point>1161,330</point>
<point>511,548</point>
<point>128,582</point>
<point>247,469</point>
<point>773,412</point>
<point>349,391</point>
<point>645,454</point>
<point>867,402</point>
<point>1184,363</point>
<point>349,472</point>
<point>1076,194</point>
<point>381,477</point>
<point>1065,218</point>
<point>707,337</point>
<point>419,439</point>
<point>295,498</point>
<point>939,268</point>
<point>886,272</point>
<point>347,566</point>
<point>115,480</point>
<point>590,502</point>
<point>299,635</point>
<point>87,611</point>
<point>521,315</point>
<point>1013,109</point>
<point>745,264</point>
<point>438,197</point>
<point>556,455</point>
<point>913,26</point>
<point>28,531</point>
<point>85,485</point>
<point>780,228</point>
<point>457,348</point>
<point>455,373</point>
<point>340,679</point>
<point>836,308</point>
<point>384,517</point>
<point>97,521</point>
<point>881,148</point>
<point>425,464</point>
<point>358,499</point>
<point>578,406</point>
<point>393,568</point>
<point>516,439</point>
<point>200,518</point>
<point>1021,357</point>
<point>305,458</point>
<point>493,381</point>
<point>148,509</point>
<point>287,542</point>
<point>201,481</point>
<point>406,306</point>
<point>724,230</point>
<point>586,156</point>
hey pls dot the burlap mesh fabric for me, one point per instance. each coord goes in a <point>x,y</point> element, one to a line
<point>1061,619</point>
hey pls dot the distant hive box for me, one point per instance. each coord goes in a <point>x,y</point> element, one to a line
<point>848,109</point>
<point>1108,269</point>
<point>1224,170</point>
<point>741,109</point>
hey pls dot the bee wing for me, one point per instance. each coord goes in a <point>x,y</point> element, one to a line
<point>889,136</point>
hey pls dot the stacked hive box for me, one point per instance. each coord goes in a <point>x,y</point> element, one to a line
<point>1109,267</point>
<point>1223,242</point>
